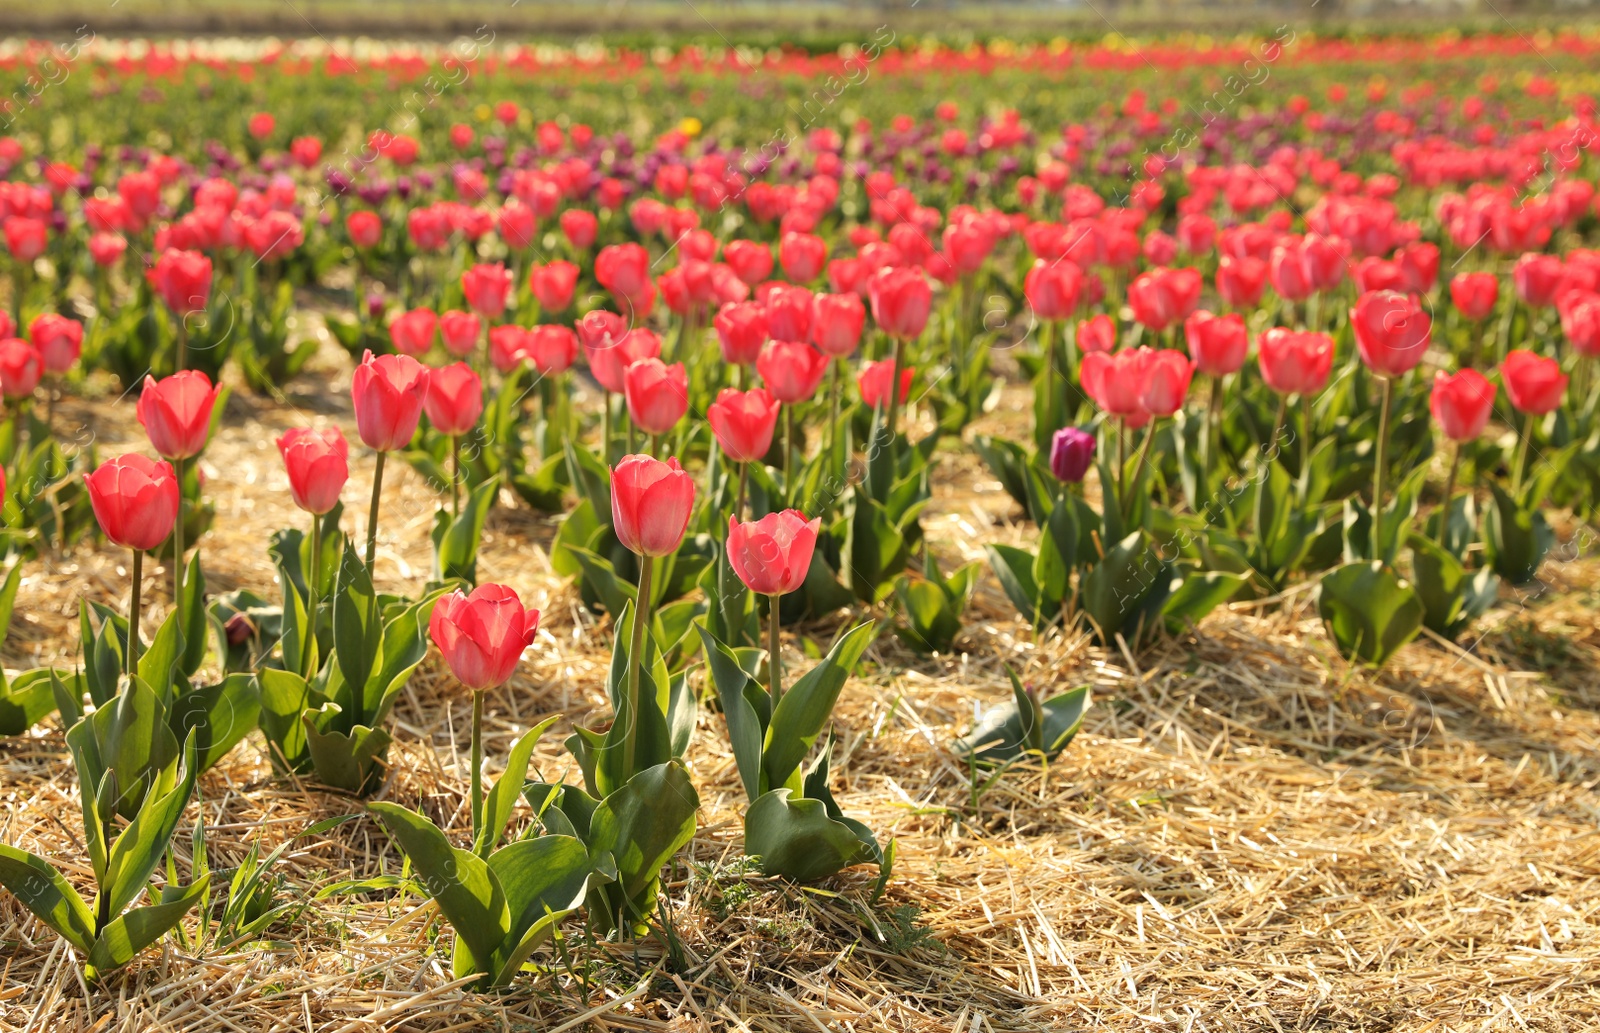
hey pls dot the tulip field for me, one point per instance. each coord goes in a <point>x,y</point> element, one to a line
<point>1021,536</point>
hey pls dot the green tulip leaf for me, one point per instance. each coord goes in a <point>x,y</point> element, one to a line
<point>1369,611</point>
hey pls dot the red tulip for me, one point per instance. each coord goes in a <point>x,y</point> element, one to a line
<point>1052,288</point>
<point>836,323</point>
<point>1536,278</point>
<point>1461,402</point>
<point>1117,381</point>
<point>579,227</point>
<point>318,464</point>
<point>365,228</point>
<point>1295,362</point>
<point>1161,297</point>
<point>460,331</point>
<point>553,349</point>
<point>788,311</point>
<point>1287,274</point>
<point>742,331</point>
<point>21,366</point>
<point>176,413</point>
<point>553,284</point>
<point>454,399</point>
<point>482,636</point>
<point>873,383</point>
<point>1419,263</point>
<point>1167,382</point>
<point>261,124</point>
<point>657,394</point>
<point>1391,331</point>
<point>1218,344</point>
<point>791,370</point>
<point>610,360</point>
<point>751,262</point>
<point>1323,260</point>
<point>900,302</point>
<point>306,151</point>
<point>773,555</point>
<point>26,237</point>
<point>1097,334</point>
<point>59,340</point>
<point>388,391</point>
<point>743,422</point>
<point>412,332</point>
<point>183,279</point>
<point>624,270</point>
<point>516,223</point>
<point>1475,294</point>
<point>135,500</point>
<point>107,248</point>
<point>650,504</point>
<point>1241,280</point>
<point>1534,382</point>
<point>486,288</point>
<point>802,256</point>
<point>508,346</point>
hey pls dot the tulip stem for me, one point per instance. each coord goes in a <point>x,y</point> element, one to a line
<point>1213,434</point>
<point>1138,466</point>
<point>894,402</point>
<point>1377,470</point>
<point>313,578</point>
<point>477,765</point>
<point>1277,428</point>
<point>744,483</point>
<point>1449,490</point>
<point>183,343</point>
<point>177,554</point>
<point>133,612</point>
<point>833,397</point>
<point>788,454</point>
<point>605,430</point>
<point>1305,439</point>
<point>641,617</point>
<point>372,512</point>
<point>455,475</point>
<point>774,655</point>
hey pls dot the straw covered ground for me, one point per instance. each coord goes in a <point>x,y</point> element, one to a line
<point>1248,834</point>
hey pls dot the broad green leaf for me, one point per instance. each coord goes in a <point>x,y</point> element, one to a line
<point>795,838</point>
<point>459,881</point>
<point>1014,568</point>
<point>1197,595</point>
<point>501,799</point>
<point>30,696</point>
<point>805,708</point>
<point>138,850</point>
<point>745,731</point>
<point>122,940</point>
<point>1369,611</point>
<point>220,715</point>
<point>544,880</point>
<point>43,890</point>
<point>644,823</point>
<point>345,761</point>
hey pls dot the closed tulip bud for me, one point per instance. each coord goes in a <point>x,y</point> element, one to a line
<point>1167,382</point>
<point>1218,344</point>
<point>772,555</point>
<point>26,237</point>
<point>1288,276</point>
<point>318,465</point>
<point>1052,288</point>
<point>1117,381</point>
<point>1461,403</point>
<point>1391,331</point>
<point>802,256</point>
<point>741,331</point>
<point>1098,334</point>
<point>1536,277</point>
<point>651,502</point>
<point>1241,280</point>
<point>791,370</point>
<point>482,635</point>
<point>516,223</point>
<point>1580,322</point>
<point>1161,297</point>
<point>176,413</point>
<point>788,308</point>
<point>486,288</point>
<point>460,331</point>
<point>183,279</point>
<point>21,366</point>
<point>365,228</point>
<point>580,228</point>
<point>553,285</point>
<point>1071,454</point>
<point>836,323</point>
<point>135,500</point>
<point>873,383</point>
<point>624,270</point>
<point>657,394</point>
<point>900,300</point>
<point>388,391</point>
<point>454,399</point>
<point>412,333</point>
<point>59,340</point>
<point>508,346</point>
<point>609,361</point>
<point>743,422</point>
<point>1475,294</point>
<point>552,348</point>
<point>751,262</point>
<point>1295,362</point>
<point>1534,382</point>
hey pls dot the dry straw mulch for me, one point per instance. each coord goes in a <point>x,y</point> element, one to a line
<point>1248,835</point>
